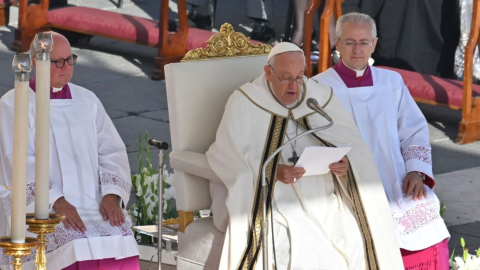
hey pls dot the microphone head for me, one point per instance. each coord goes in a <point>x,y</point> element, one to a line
<point>312,103</point>
<point>158,144</point>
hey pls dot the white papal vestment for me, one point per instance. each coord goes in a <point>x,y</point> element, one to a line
<point>87,161</point>
<point>397,134</point>
<point>320,222</point>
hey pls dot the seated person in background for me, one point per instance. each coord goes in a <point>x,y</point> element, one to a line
<point>396,132</point>
<point>338,220</point>
<point>89,175</point>
<point>260,11</point>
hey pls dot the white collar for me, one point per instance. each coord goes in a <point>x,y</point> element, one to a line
<point>359,72</point>
<point>55,89</point>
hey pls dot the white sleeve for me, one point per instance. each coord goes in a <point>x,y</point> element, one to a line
<point>114,169</point>
<point>414,135</point>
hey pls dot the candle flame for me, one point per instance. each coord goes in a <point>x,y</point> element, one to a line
<point>42,45</point>
<point>19,65</point>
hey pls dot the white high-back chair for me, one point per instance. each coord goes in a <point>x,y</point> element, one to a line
<point>197,91</point>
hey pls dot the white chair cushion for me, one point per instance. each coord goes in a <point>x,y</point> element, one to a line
<point>193,163</point>
<point>200,247</point>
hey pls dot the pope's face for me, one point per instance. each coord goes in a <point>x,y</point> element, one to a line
<point>356,44</point>
<point>286,66</point>
<point>61,49</point>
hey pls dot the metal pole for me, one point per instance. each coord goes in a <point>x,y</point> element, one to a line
<point>160,208</point>
<point>264,192</point>
<point>161,146</point>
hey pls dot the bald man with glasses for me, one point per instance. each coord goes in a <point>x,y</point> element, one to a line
<point>89,174</point>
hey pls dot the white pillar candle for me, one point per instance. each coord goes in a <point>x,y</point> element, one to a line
<point>43,44</point>
<point>20,147</point>
<point>42,139</point>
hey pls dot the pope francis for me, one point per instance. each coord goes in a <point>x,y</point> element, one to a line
<point>338,220</point>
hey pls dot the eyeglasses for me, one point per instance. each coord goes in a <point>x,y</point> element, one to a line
<point>353,44</point>
<point>60,62</point>
<point>301,80</point>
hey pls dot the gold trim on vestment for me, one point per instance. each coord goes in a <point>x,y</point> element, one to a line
<point>371,260</point>
<point>290,113</point>
<point>329,98</point>
<point>227,43</point>
<point>274,139</point>
<point>251,100</point>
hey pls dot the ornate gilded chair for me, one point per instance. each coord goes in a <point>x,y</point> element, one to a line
<point>197,90</point>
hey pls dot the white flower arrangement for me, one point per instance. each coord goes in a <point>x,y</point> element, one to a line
<point>145,185</point>
<point>466,261</point>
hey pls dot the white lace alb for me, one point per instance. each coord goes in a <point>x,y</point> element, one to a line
<point>109,178</point>
<point>62,236</point>
<point>418,152</point>
<point>420,215</point>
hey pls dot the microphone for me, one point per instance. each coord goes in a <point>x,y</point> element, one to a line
<point>313,104</point>
<point>158,144</point>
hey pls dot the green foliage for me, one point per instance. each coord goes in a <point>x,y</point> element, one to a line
<point>465,250</point>
<point>465,261</point>
<point>442,208</point>
<point>145,186</point>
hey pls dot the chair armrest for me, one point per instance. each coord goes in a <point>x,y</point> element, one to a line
<point>193,163</point>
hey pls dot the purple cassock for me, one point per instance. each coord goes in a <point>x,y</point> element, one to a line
<point>349,76</point>
<point>63,94</point>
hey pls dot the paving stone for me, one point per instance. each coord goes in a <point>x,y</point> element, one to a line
<point>160,115</point>
<point>134,95</point>
<point>130,128</point>
<point>470,233</point>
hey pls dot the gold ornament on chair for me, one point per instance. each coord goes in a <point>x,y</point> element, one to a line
<point>227,43</point>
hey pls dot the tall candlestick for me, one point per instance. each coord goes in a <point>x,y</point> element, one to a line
<point>43,45</point>
<point>22,66</point>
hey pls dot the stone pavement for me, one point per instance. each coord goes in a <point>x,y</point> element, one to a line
<point>119,74</point>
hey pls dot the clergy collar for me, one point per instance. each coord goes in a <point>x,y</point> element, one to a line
<point>350,71</point>
<point>56,89</point>
<point>258,93</point>
<point>55,93</point>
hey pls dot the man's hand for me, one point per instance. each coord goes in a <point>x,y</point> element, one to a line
<point>110,209</point>
<point>72,219</point>
<point>340,168</point>
<point>289,174</point>
<point>413,183</point>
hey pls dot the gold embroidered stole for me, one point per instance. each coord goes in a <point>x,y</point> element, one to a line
<point>276,134</point>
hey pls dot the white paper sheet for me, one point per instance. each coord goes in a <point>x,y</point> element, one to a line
<point>316,159</point>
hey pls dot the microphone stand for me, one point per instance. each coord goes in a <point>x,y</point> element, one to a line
<point>161,146</point>
<point>264,189</point>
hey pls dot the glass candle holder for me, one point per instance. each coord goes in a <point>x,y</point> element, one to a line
<point>22,65</point>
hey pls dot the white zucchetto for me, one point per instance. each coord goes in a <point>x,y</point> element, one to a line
<point>283,47</point>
